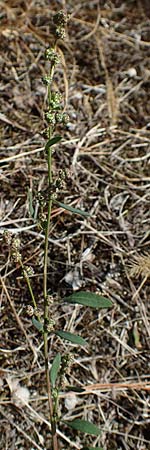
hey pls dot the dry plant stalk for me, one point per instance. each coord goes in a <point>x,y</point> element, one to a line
<point>140,265</point>
<point>112,101</point>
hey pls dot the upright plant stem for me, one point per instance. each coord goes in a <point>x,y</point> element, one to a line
<point>50,402</point>
<point>47,230</point>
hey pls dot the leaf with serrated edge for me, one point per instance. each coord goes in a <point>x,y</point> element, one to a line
<point>55,369</point>
<point>84,426</point>
<point>89,299</point>
<point>71,209</point>
<point>75,339</point>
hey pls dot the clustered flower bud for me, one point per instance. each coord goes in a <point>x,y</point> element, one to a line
<point>42,220</point>
<point>63,381</point>
<point>50,117</point>
<point>60,20</point>
<point>7,237</point>
<point>15,243</point>
<point>30,310</point>
<point>29,270</point>
<point>56,117</point>
<point>65,118</point>
<point>59,184</point>
<point>60,32</point>
<point>52,56</point>
<point>51,325</point>
<point>61,118</point>
<point>67,361</point>
<point>37,313</point>
<point>41,198</point>
<point>47,79</point>
<point>53,116</point>
<point>15,246</point>
<point>50,299</point>
<point>62,174</point>
<point>56,98</point>
<point>54,196</point>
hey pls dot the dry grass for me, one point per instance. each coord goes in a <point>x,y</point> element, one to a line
<point>106,81</point>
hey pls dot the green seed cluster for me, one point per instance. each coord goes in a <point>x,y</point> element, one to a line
<point>15,247</point>
<point>54,115</point>
<point>60,18</point>
<point>60,21</point>
<point>52,56</point>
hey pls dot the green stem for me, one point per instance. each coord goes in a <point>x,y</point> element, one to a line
<point>45,337</point>
<point>50,402</point>
<point>30,288</point>
<point>25,274</point>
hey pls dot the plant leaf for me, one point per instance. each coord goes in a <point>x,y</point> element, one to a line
<point>52,141</point>
<point>31,209</point>
<point>92,448</point>
<point>84,426</point>
<point>75,339</point>
<point>38,325</point>
<point>88,299</point>
<point>71,209</point>
<point>55,369</point>
<point>74,389</point>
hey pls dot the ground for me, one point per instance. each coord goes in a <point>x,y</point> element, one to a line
<point>104,77</point>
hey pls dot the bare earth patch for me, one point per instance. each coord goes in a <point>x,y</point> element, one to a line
<point>106,84</point>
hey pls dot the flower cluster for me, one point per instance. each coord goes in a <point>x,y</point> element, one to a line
<point>60,21</point>
<point>54,118</point>
<point>14,244</point>
<point>66,363</point>
<point>15,247</point>
<point>52,56</point>
<point>54,115</point>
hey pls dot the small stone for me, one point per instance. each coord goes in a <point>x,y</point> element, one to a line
<point>70,402</point>
<point>132,73</point>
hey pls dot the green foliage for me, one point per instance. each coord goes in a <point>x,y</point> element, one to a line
<point>52,141</point>
<point>30,202</point>
<point>92,448</point>
<point>37,324</point>
<point>55,369</point>
<point>75,339</point>
<point>71,209</point>
<point>84,426</point>
<point>74,389</point>
<point>88,299</point>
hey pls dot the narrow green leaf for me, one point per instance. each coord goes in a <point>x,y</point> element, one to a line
<point>38,325</point>
<point>88,299</point>
<point>75,339</point>
<point>52,141</point>
<point>84,426</point>
<point>74,389</point>
<point>71,209</point>
<point>31,209</point>
<point>92,448</point>
<point>3,163</point>
<point>55,369</point>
